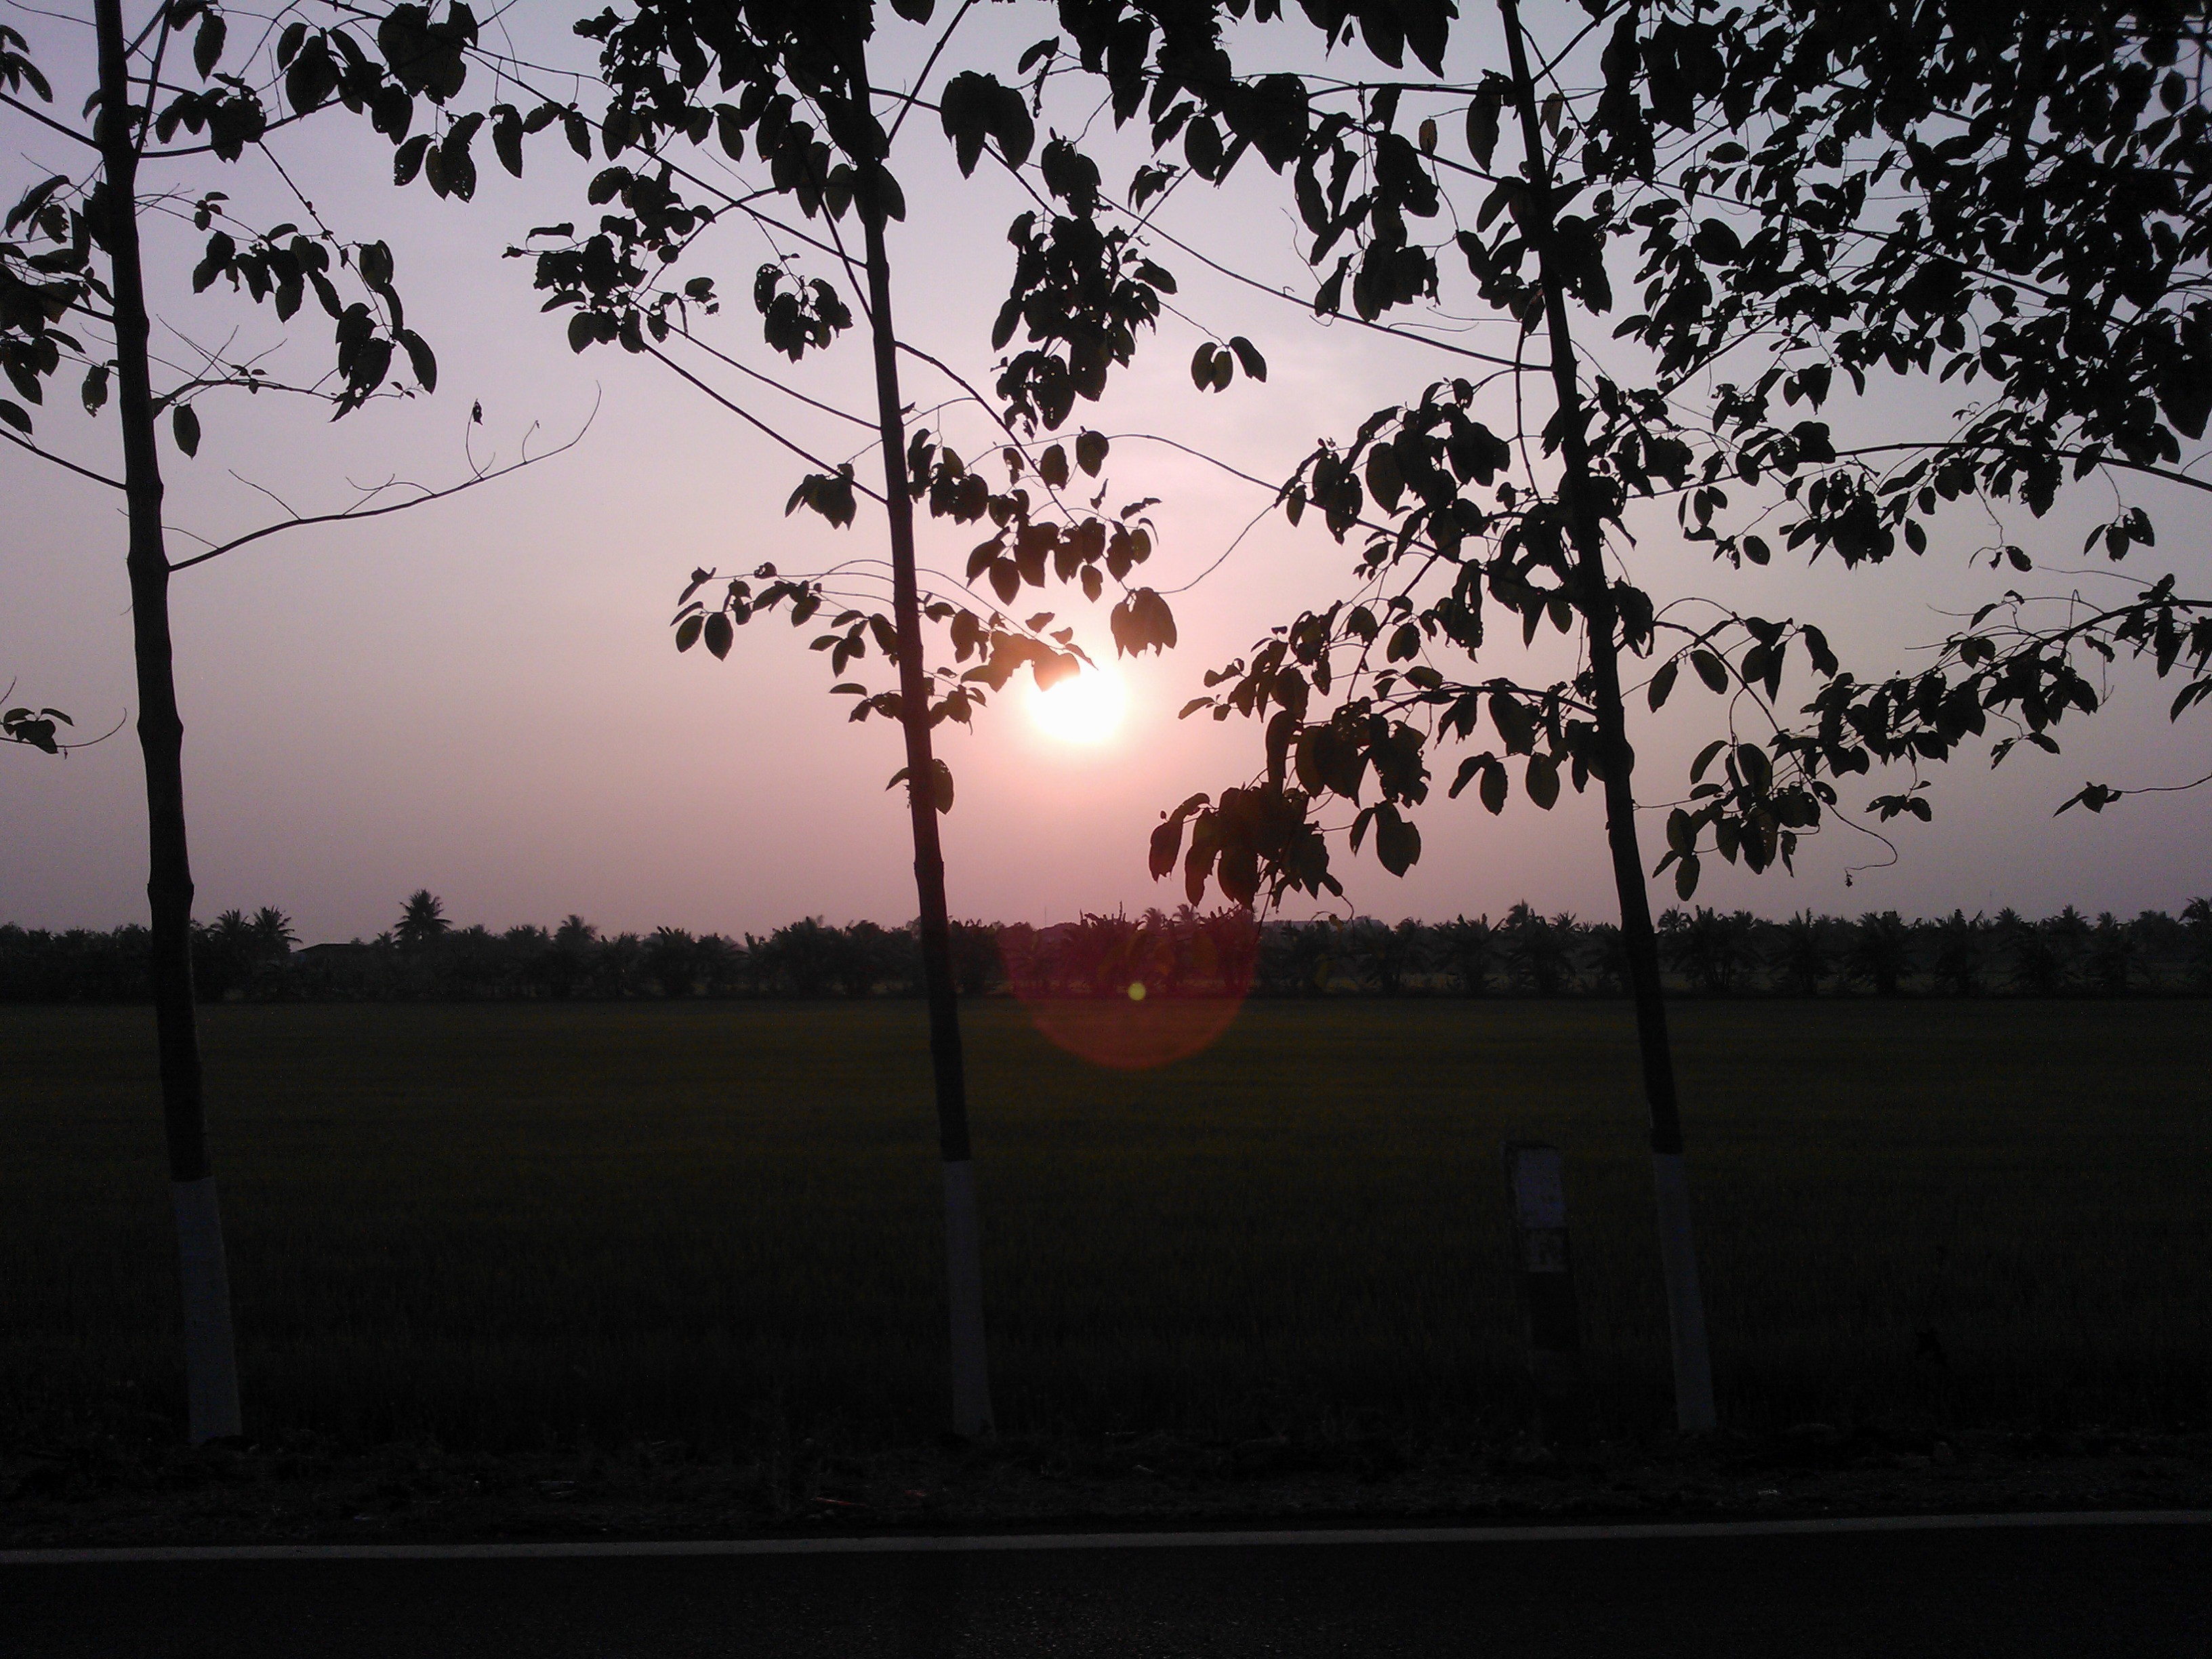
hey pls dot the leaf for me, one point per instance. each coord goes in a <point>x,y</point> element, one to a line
<point>421,358</point>
<point>96,388</point>
<point>185,425</point>
<point>718,632</point>
<point>1201,147</point>
<point>1010,126</point>
<point>507,139</point>
<point>964,108</point>
<point>1090,448</point>
<point>1166,847</point>
<point>1663,685</point>
<point>1482,124</point>
<point>1685,877</point>
<point>1248,355</point>
<point>1384,483</point>
<point>1542,780</point>
<point>1493,788</point>
<point>1711,670</point>
<point>943,775</point>
<point>1202,365</point>
<point>407,160</point>
<point>1397,843</point>
<point>207,45</point>
<point>687,632</point>
<point>13,414</point>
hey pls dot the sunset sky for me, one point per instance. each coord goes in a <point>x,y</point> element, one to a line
<point>481,697</point>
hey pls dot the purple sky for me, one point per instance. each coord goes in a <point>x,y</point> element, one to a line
<point>481,697</point>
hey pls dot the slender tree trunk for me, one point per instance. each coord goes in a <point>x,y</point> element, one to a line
<point>963,1253</point>
<point>1685,1311</point>
<point>210,1356</point>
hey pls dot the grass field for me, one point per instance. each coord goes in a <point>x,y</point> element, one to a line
<point>516,1226</point>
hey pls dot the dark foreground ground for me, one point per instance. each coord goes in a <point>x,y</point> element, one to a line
<point>675,1271</point>
<point>715,1231</point>
<point>412,1494</point>
<point>2133,1590</point>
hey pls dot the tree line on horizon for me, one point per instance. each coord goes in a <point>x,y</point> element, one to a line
<point>1708,952</point>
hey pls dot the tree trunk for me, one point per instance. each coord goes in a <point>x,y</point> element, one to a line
<point>210,1356</point>
<point>971,1382</point>
<point>1686,1312</point>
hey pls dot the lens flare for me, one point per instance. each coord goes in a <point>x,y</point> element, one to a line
<point>1134,994</point>
<point>1085,707</point>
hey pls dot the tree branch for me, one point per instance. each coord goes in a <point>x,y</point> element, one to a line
<point>751,419</point>
<point>48,455</point>
<point>352,513</point>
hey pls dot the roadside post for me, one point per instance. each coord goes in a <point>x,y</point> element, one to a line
<point>1536,1202</point>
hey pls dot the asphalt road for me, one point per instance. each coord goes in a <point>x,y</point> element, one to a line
<point>2141,1591</point>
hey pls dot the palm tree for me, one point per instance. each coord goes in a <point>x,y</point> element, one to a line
<point>421,920</point>
<point>802,954</point>
<point>1536,951</point>
<point>2196,918</point>
<point>2036,969</point>
<point>1881,951</point>
<point>1466,949</point>
<point>673,960</point>
<point>2068,931</point>
<point>1713,949</point>
<point>1802,954</point>
<point>1313,955</point>
<point>619,959</point>
<point>1605,954</point>
<point>225,954</point>
<point>975,956</point>
<point>272,930</point>
<point>1958,950</point>
<point>1229,948</point>
<point>2113,955</point>
<point>568,963</point>
<point>721,962</point>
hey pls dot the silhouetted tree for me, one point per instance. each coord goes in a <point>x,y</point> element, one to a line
<point>1802,955</point>
<point>2196,918</point>
<point>1879,953</point>
<point>1712,950</point>
<point>1466,950</point>
<point>1384,957</point>
<point>2114,956</point>
<point>421,920</point>
<point>1606,958</point>
<point>73,299</point>
<point>672,961</point>
<point>1537,953</point>
<point>1956,961</point>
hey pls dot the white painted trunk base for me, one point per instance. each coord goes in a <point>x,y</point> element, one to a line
<point>210,1354</point>
<point>1685,1305</point>
<point>963,1268</point>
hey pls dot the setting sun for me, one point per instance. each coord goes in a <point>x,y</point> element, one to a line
<point>1084,709</point>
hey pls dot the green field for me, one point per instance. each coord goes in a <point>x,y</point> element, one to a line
<point>516,1226</point>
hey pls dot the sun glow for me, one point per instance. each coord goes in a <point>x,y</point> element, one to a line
<point>1085,709</point>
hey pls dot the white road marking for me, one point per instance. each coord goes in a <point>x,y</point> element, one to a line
<point>925,1543</point>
